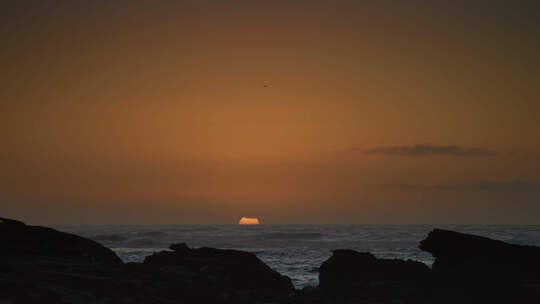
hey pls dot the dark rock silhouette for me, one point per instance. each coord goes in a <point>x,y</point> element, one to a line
<point>480,269</point>
<point>480,256</point>
<point>42,265</point>
<point>21,241</point>
<point>359,275</point>
<point>229,268</point>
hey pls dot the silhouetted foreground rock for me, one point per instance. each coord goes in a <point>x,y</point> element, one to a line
<point>24,242</point>
<point>467,269</point>
<point>42,265</point>
<point>359,275</point>
<point>459,253</point>
<point>229,268</point>
<point>480,269</point>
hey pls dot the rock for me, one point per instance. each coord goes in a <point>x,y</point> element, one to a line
<point>26,242</point>
<point>230,268</point>
<point>476,256</point>
<point>311,295</point>
<point>359,275</point>
<point>42,265</point>
<point>180,247</point>
<point>475,269</point>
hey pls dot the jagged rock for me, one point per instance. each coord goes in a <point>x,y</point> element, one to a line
<point>42,265</point>
<point>27,242</point>
<point>459,253</point>
<point>359,275</point>
<point>180,247</point>
<point>231,268</point>
<point>475,269</point>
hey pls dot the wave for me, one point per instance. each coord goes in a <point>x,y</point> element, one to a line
<point>292,235</point>
<point>138,238</point>
<point>151,234</point>
<point>526,239</point>
<point>109,237</point>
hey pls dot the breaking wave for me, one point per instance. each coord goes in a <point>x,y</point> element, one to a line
<point>292,236</point>
<point>108,237</point>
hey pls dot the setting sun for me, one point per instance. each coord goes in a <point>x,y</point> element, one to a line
<point>248,221</point>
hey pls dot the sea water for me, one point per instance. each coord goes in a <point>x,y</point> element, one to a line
<point>293,250</point>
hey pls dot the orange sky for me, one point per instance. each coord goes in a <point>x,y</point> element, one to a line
<point>291,111</point>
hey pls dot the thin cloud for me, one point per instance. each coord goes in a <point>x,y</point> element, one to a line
<point>430,150</point>
<point>513,186</point>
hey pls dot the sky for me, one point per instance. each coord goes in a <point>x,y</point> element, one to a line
<point>201,112</point>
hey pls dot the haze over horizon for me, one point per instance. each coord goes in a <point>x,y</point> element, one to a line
<point>178,112</point>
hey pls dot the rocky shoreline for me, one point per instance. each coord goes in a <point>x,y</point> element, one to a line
<point>43,265</point>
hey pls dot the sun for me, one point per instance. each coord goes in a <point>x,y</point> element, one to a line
<point>248,221</point>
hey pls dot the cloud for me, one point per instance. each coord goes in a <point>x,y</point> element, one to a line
<point>512,186</point>
<point>430,150</point>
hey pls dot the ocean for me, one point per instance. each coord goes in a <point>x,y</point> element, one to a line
<point>293,250</point>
